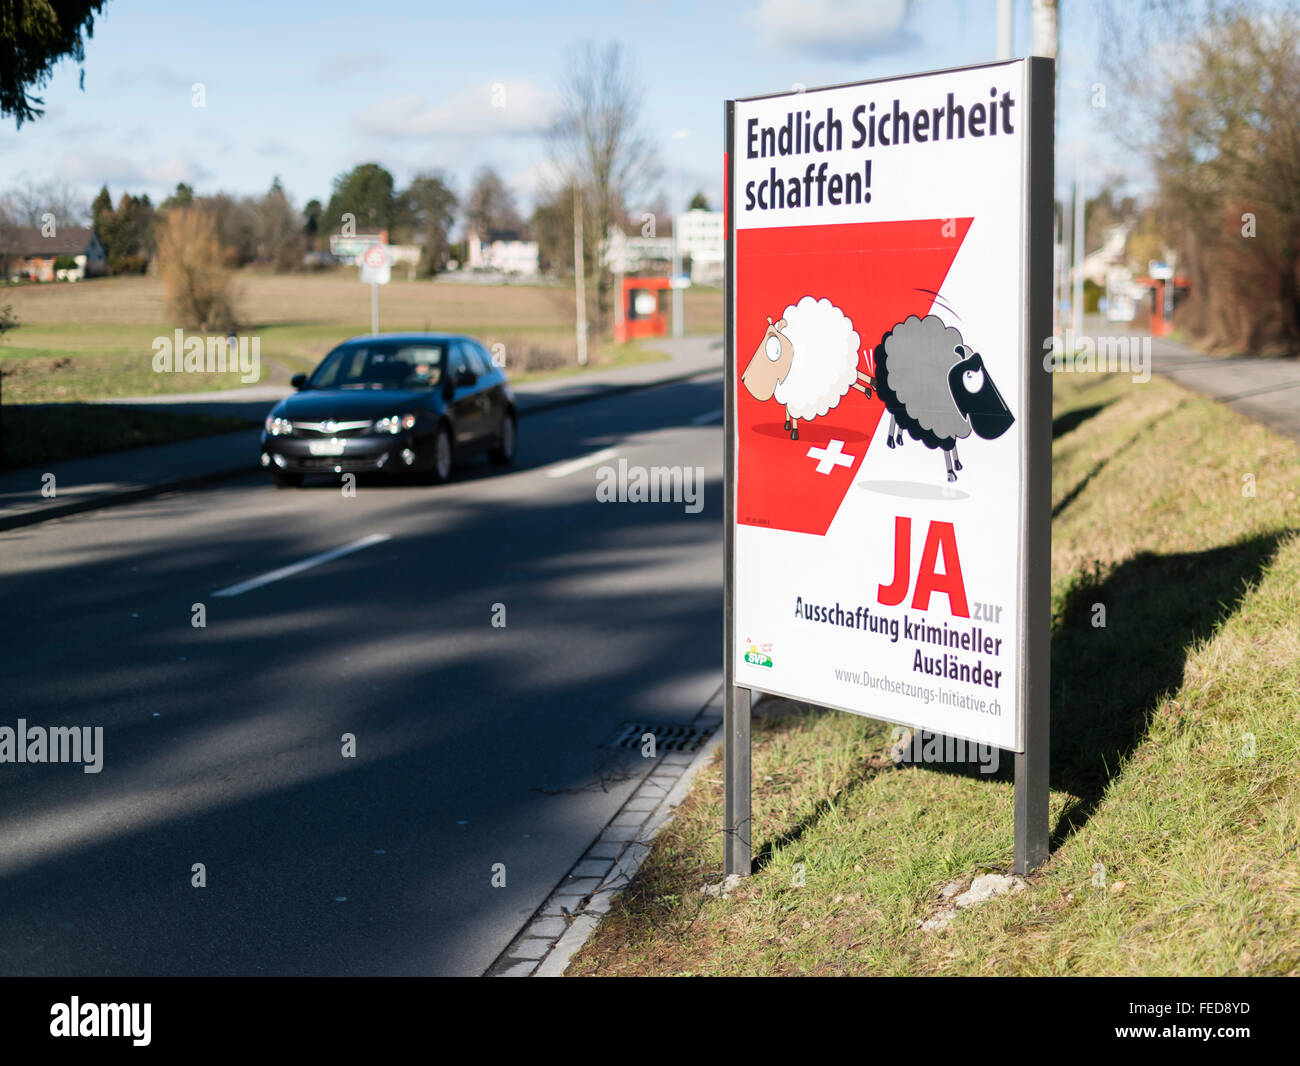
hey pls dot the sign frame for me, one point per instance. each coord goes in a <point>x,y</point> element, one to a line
<point>1032,760</point>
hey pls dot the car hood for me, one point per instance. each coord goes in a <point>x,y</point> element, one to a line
<point>315,405</point>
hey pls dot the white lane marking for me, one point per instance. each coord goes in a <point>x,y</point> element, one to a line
<point>707,417</point>
<point>306,564</point>
<point>574,465</point>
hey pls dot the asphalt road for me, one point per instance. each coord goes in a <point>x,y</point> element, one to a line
<point>475,745</point>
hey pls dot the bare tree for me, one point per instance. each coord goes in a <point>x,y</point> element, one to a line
<point>490,204</point>
<point>1225,148</point>
<point>597,144</point>
<point>30,204</point>
<point>190,261</point>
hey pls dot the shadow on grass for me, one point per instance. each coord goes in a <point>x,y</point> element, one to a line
<point>1107,682</point>
<point>1072,420</point>
<point>1102,463</point>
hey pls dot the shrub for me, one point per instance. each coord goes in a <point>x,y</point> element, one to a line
<point>199,289</point>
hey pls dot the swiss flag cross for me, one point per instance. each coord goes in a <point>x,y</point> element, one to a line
<point>874,272</point>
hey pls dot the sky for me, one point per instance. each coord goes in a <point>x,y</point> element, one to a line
<point>305,91</point>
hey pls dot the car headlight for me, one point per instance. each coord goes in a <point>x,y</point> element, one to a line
<point>278,427</point>
<point>394,423</point>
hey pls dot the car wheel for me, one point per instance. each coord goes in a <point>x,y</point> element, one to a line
<point>440,470</point>
<point>504,453</point>
<point>282,480</point>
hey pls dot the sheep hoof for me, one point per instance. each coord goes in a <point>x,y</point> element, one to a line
<point>794,434</point>
<point>956,464</point>
<point>787,423</point>
<point>952,476</point>
<point>890,442</point>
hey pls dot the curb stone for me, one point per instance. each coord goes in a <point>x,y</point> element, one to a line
<point>619,852</point>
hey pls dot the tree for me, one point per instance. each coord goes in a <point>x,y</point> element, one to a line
<point>34,36</point>
<point>237,224</point>
<point>428,211</point>
<point>367,194</point>
<point>31,203</point>
<point>279,237</point>
<point>491,205</point>
<point>190,260</point>
<point>552,227</point>
<point>102,203</point>
<point>1226,155</point>
<point>311,219</point>
<point>182,197</point>
<point>699,202</point>
<point>126,232</point>
<point>597,144</point>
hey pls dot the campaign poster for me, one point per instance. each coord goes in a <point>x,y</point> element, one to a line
<point>880,373</point>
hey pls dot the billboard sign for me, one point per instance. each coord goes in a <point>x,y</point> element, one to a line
<point>889,414</point>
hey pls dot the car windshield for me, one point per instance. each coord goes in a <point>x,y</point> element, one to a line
<point>381,366</point>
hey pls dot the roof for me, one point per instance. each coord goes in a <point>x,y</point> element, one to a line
<point>410,338</point>
<point>28,241</point>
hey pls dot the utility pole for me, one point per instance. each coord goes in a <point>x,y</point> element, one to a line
<point>1076,300</point>
<point>579,281</point>
<point>1005,22</point>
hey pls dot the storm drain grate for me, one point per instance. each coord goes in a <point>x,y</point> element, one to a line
<point>667,737</point>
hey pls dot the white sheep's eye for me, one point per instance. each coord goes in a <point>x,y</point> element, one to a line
<point>773,348</point>
<point>973,380</point>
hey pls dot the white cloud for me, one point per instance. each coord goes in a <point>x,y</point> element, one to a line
<point>109,169</point>
<point>532,180</point>
<point>510,108</point>
<point>839,29</point>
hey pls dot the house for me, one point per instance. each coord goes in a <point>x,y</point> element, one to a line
<point>501,250</point>
<point>30,255</point>
<point>700,238</point>
<point>632,255</point>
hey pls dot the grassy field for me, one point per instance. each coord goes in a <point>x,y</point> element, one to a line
<point>1175,734</point>
<point>93,340</point>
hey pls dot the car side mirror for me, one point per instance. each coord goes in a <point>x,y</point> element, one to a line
<point>466,377</point>
<point>298,380</point>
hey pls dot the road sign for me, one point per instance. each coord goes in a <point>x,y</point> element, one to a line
<point>376,268</point>
<point>889,414</point>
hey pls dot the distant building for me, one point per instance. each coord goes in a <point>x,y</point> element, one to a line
<point>30,255</point>
<point>636,255</point>
<point>700,237</point>
<point>501,250</point>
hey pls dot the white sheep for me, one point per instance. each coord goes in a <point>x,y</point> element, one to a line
<point>808,361</point>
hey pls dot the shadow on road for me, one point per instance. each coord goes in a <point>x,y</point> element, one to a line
<point>464,733</point>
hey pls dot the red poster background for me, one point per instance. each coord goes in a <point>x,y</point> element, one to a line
<point>872,272</point>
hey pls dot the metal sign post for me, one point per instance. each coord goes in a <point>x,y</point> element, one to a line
<point>1033,762</point>
<point>736,847</point>
<point>878,255</point>
<point>376,270</point>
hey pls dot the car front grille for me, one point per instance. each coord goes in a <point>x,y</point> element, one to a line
<point>344,462</point>
<point>330,429</point>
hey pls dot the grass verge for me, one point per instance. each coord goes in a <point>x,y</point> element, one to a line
<point>1175,741</point>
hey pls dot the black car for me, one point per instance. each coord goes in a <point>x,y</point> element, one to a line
<point>399,402</point>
